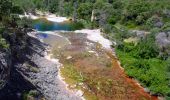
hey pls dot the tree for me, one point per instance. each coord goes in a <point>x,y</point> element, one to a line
<point>102,12</point>
<point>53,6</point>
<point>7,9</point>
<point>137,11</point>
<point>85,11</point>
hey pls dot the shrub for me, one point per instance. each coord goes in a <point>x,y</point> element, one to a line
<point>152,73</point>
<point>152,21</point>
<point>146,48</point>
<point>3,43</point>
<point>85,10</point>
<point>122,34</point>
<point>32,94</point>
<point>166,27</point>
<point>76,26</point>
<point>25,22</point>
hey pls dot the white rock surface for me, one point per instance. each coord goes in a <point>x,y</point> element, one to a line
<point>96,36</point>
<point>54,18</point>
<point>51,17</point>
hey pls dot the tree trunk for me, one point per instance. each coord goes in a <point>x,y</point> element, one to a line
<point>75,11</point>
<point>92,16</point>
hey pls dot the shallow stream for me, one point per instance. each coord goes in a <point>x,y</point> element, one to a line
<point>87,65</point>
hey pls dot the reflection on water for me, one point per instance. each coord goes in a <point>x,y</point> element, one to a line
<point>45,25</point>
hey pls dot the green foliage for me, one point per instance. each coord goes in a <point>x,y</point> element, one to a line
<point>53,5</point>
<point>103,13</point>
<point>108,28</point>
<point>5,11</point>
<point>85,10</point>
<point>72,75</point>
<point>141,61</point>
<point>118,4</point>
<point>32,94</point>
<point>151,73</point>
<point>122,33</point>
<point>68,9</point>
<point>76,26</point>
<point>25,22</point>
<point>151,21</point>
<point>166,27</point>
<point>25,5</point>
<point>3,43</point>
<point>86,23</point>
<point>137,11</point>
<point>129,12</point>
<point>5,7</point>
<point>146,49</point>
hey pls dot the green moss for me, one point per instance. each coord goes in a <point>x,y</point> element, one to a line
<point>72,76</point>
<point>86,54</point>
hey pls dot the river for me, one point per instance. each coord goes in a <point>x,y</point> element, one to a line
<point>90,69</point>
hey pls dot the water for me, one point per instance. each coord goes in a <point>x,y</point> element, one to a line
<point>45,25</point>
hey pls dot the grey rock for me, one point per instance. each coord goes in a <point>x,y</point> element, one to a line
<point>163,41</point>
<point>30,70</point>
<point>167,12</point>
<point>158,24</point>
<point>139,34</point>
<point>5,65</point>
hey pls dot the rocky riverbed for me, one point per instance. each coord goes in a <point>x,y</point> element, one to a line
<point>65,65</point>
<point>48,79</point>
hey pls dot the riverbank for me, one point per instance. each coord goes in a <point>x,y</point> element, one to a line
<point>57,88</point>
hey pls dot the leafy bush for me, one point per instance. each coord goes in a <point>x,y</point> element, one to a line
<point>86,23</point>
<point>85,10</point>
<point>76,25</point>
<point>166,27</point>
<point>3,43</point>
<point>151,73</point>
<point>145,51</point>
<point>141,62</point>
<point>152,21</point>
<point>32,94</point>
<point>25,22</point>
<point>122,34</point>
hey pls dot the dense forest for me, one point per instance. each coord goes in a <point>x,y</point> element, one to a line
<point>141,29</point>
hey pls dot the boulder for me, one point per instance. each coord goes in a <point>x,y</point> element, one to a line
<point>163,41</point>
